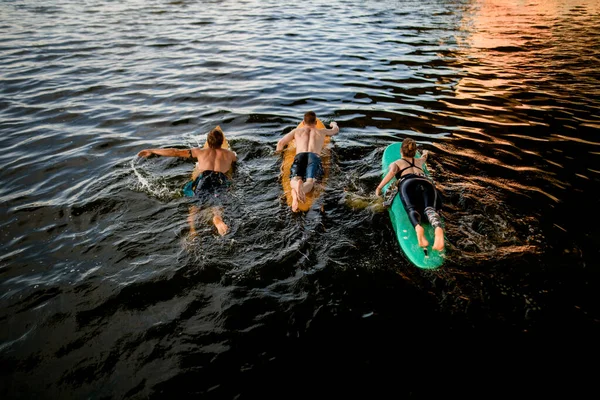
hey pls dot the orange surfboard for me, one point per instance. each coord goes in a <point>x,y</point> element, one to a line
<point>288,159</point>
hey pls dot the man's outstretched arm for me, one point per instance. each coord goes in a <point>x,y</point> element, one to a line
<point>166,153</point>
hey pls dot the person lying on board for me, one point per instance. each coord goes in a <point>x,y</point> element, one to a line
<point>307,166</point>
<point>414,188</point>
<point>209,175</point>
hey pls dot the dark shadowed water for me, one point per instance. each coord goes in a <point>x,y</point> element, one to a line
<point>105,295</point>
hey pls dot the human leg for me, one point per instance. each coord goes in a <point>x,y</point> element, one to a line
<point>222,228</point>
<point>423,242</point>
<point>438,243</point>
<point>294,197</point>
<point>408,190</point>
<point>436,222</point>
<point>193,211</point>
<point>297,173</point>
<point>314,171</point>
<point>297,192</point>
<point>430,195</point>
<point>432,203</point>
<point>308,185</point>
<point>210,191</point>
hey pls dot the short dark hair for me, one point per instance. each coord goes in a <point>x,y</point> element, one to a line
<point>310,118</point>
<point>215,138</point>
<point>409,148</point>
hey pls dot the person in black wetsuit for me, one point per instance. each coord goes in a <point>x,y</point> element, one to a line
<point>209,175</point>
<point>417,192</point>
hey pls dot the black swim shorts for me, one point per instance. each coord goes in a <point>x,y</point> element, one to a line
<point>210,185</point>
<point>307,165</point>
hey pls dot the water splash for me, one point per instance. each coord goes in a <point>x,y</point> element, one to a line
<point>152,183</point>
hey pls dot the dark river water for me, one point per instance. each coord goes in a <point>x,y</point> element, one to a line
<point>104,294</point>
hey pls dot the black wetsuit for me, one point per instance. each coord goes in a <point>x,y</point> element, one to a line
<point>418,194</point>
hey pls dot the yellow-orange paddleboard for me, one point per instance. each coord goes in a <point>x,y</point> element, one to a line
<point>288,159</point>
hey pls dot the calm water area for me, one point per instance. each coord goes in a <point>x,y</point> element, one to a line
<point>105,295</point>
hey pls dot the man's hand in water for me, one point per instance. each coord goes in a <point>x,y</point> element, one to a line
<point>378,191</point>
<point>333,124</point>
<point>144,153</point>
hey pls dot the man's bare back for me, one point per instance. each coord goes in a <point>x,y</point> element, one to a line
<point>308,138</point>
<point>218,160</point>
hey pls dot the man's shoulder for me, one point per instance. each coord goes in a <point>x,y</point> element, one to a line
<point>227,152</point>
<point>204,151</point>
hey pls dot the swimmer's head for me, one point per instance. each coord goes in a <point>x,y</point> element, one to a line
<point>409,148</point>
<point>310,118</point>
<point>215,138</point>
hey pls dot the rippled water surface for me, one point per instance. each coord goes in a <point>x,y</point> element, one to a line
<point>106,295</point>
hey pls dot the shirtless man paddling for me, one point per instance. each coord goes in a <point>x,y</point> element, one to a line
<point>209,174</point>
<point>307,164</point>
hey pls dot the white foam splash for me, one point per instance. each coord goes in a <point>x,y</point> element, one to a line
<point>143,181</point>
<point>152,186</point>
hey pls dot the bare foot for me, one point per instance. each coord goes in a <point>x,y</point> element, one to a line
<point>438,244</point>
<point>221,227</point>
<point>294,200</point>
<point>308,186</point>
<point>421,236</point>
<point>300,190</point>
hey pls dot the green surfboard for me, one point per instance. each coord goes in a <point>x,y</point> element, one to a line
<point>405,232</point>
